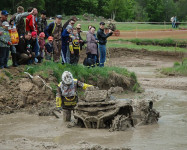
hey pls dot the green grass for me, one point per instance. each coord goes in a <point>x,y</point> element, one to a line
<point>79,71</point>
<point>125,26</point>
<point>177,69</point>
<point>161,42</point>
<point>121,44</point>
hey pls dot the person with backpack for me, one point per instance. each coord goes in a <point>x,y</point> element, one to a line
<point>54,29</point>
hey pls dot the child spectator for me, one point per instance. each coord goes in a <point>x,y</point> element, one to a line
<point>34,42</point>
<point>42,46</point>
<point>5,43</point>
<point>74,47</point>
<point>12,28</point>
<point>49,48</point>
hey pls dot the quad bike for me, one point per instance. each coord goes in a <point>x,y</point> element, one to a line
<point>98,111</point>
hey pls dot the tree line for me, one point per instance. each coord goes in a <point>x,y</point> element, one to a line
<point>119,10</point>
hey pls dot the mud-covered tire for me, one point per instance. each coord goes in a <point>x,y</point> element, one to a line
<point>67,115</point>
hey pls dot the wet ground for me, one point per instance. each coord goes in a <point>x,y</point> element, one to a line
<point>27,132</point>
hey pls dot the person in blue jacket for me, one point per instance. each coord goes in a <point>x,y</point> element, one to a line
<point>65,44</point>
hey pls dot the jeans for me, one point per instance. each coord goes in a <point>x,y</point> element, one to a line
<point>102,49</point>
<point>173,24</point>
<point>4,54</point>
<point>36,48</point>
<point>68,55</point>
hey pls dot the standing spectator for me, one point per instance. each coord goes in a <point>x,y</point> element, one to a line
<point>91,46</point>
<point>24,49</point>
<point>65,44</point>
<point>42,22</point>
<point>19,21</point>
<point>102,37</point>
<point>172,22</point>
<point>78,27</point>
<point>42,46</point>
<point>5,43</point>
<point>49,48</point>
<point>12,47</point>
<point>71,21</point>
<point>31,24</point>
<point>175,22</point>
<point>54,29</point>
<point>4,16</point>
<point>74,47</point>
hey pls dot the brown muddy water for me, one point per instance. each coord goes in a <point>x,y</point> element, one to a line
<point>30,132</point>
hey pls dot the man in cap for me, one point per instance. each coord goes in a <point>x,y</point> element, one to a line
<point>42,22</point>
<point>4,16</point>
<point>102,37</point>
<point>5,43</point>
<point>66,97</point>
<point>54,29</point>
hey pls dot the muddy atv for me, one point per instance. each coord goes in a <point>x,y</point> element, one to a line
<point>97,110</point>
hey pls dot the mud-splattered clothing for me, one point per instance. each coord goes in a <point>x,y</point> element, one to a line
<point>67,94</point>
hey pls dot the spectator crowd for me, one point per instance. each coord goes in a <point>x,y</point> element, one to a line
<point>38,40</point>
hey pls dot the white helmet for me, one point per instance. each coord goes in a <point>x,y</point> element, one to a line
<point>67,77</point>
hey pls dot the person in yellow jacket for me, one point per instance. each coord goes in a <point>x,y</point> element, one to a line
<point>66,97</point>
<point>74,47</point>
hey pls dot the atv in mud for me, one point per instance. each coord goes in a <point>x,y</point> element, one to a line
<point>97,110</point>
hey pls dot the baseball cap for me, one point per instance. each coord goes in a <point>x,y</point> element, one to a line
<point>5,23</point>
<point>59,16</point>
<point>4,12</point>
<point>102,23</point>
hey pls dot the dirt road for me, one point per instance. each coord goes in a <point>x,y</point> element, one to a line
<point>25,132</point>
<point>157,34</point>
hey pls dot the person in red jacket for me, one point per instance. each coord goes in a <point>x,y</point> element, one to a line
<point>31,24</point>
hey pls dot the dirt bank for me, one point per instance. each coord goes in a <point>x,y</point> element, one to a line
<point>22,92</point>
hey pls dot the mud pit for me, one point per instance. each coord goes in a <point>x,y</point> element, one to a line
<point>24,131</point>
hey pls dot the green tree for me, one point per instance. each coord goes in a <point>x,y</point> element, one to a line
<point>182,10</point>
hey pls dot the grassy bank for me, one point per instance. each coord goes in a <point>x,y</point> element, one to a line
<point>97,76</point>
<point>177,69</point>
<point>157,42</point>
<point>129,45</point>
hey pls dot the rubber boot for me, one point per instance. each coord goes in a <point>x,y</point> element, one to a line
<point>14,60</point>
<point>66,115</point>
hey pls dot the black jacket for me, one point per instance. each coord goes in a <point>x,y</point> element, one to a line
<point>102,37</point>
<point>24,46</point>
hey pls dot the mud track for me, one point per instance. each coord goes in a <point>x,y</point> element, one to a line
<point>27,131</point>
